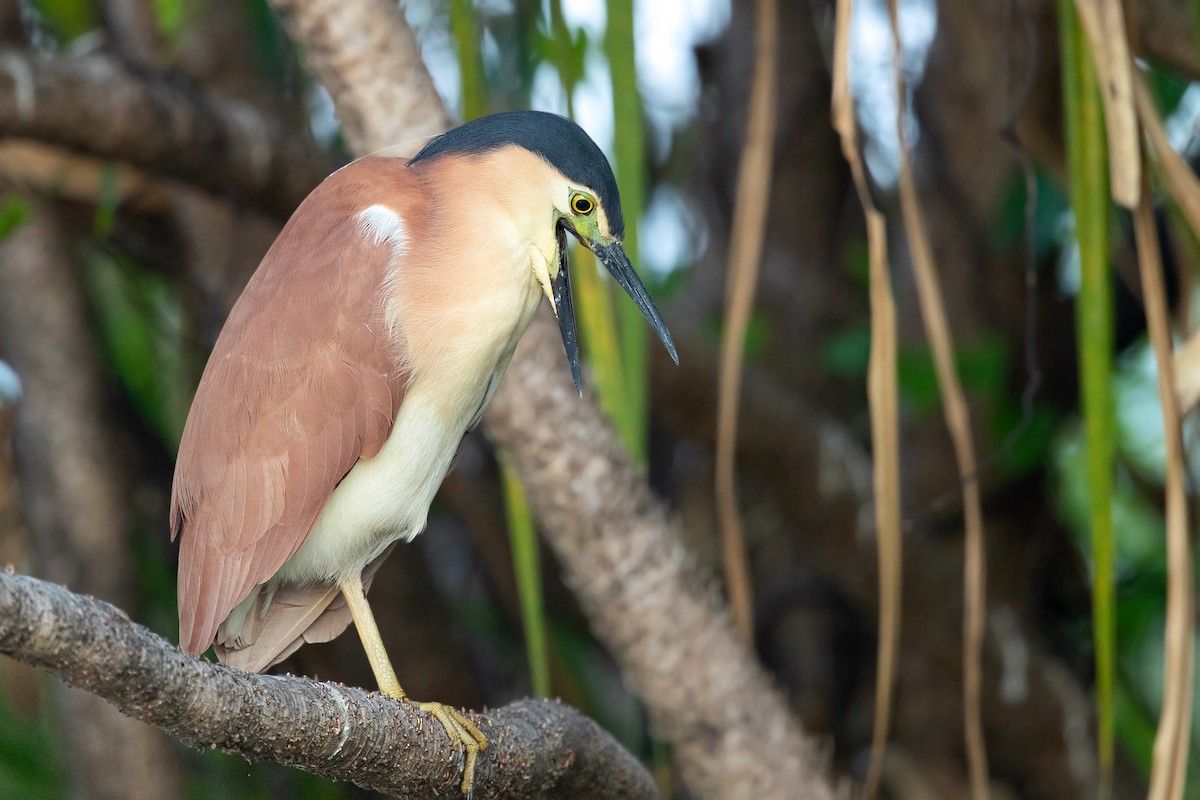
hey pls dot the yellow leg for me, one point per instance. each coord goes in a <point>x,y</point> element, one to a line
<point>460,729</point>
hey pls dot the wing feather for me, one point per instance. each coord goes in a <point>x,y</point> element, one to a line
<point>298,614</point>
<point>300,385</point>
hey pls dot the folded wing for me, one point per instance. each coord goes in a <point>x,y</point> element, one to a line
<point>303,382</point>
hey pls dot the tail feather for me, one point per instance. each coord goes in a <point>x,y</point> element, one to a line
<point>276,624</point>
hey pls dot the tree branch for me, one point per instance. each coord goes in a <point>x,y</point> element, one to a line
<point>93,104</point>
<point>537,749</point>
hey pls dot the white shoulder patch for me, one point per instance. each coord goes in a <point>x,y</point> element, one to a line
<point>383,226</point>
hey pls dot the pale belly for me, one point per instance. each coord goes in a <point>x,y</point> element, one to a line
<point>385,498</point>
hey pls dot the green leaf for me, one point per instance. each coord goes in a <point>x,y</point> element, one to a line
<point>67,19</point>
<point>856,259</point>
<point>13,212</point>
<point>1087,160</point>
<point>982,366</point>
<point>1087,168</point>
<point>1136,728</point>
<point>846,353</point>
<point>1167,87</point>
<point>1028,450</point>
<point>106,202</point>
<point>465,27</point>
<point>1052,204</point>
<point>139,317</point>
<point>169,17</point>
<point>30,761</point>
<point>567,50</point>
<point>758,333</point>
<point>629,152</point>
<point>523,540</point>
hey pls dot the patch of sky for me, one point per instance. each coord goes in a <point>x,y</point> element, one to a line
<point>594,100</point>
<point>10,385</point>
<point>1070,265</point>
<point>547,93</point>
<point>1184,123</point>
<point>430,21</point>
<point>668,31</point>
<point>673,234</point>
<point>872,82</point>
<point>322,122</point>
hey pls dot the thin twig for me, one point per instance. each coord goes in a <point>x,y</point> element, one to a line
<point>749,227</point>
<point>882,396</point>
<point>958,421</point>
<point>1169,770</point>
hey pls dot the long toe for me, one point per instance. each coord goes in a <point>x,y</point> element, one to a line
<point>461,732</point>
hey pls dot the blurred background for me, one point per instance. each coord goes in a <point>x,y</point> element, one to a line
<point>125,239</point>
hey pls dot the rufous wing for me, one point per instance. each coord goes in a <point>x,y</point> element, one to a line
<point>303,382</point>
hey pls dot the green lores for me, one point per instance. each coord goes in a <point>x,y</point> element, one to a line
<point>582,221</point>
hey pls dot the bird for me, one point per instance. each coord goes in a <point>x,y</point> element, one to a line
<point>363,349</point>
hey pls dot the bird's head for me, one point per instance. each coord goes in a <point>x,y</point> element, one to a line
<point>578,194</point>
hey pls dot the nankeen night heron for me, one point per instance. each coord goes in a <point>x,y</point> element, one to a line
<point>365,346</point>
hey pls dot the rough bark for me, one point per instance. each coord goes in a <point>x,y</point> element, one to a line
<point>94,104</point>
<point>72,491</point>
<point>536,748</point>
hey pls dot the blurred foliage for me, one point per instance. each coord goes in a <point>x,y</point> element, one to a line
<point>758,335</point>
<point>1050,210</point>
<point>30,761</point>
<point>526,563</point>
<point>13,211</point>
<point>1021,437</point>
<point>169,18</point>
<point>1140,567</point>
<point>217,776</point>
<point>66,20</point>
<point>140,325</point>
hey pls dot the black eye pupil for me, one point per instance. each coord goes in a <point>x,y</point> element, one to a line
<point>583,205</point>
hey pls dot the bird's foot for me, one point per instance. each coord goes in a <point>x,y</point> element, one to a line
<point>463,734</point>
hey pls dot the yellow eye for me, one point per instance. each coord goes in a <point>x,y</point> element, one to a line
<point>581,204</point>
